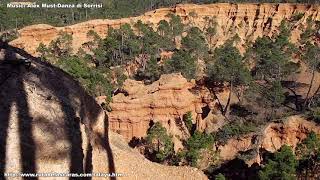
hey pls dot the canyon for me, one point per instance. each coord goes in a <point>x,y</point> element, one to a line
<point>172,96</point>
<point>57,106</point>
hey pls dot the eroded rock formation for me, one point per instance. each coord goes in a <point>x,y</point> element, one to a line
<point>165,100</point>
<point>292,131</point>
<point>48,123</point>
<point>249,21</point>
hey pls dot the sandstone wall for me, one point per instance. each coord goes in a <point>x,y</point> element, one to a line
<point>248,20</point>
<point>165,100</point>
<point>291,132</point>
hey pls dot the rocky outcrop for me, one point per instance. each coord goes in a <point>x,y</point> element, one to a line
<point>292,131</point>
<point>249,21</point>
<point>235,145</point>
<point>165,100</point>
<point>48,123</point>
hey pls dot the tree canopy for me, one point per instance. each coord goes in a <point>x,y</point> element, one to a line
<point>183,62</point>
<point>282,166</point>
<point>228,67</point>
<point>159,142</point>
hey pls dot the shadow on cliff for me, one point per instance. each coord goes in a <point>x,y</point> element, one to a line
<point>12,77</point>
<point>235,169</point>
<point>14,93</point>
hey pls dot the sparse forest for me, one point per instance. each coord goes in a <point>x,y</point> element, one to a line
<point>112,9</point>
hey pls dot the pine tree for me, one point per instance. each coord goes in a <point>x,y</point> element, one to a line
<point>195,42</point>
<point>159,142</point>
<point>308,152</point>
<point>228,66</point>
<point>282,166</point>
<point>183,62</point>
<point>312,58</point>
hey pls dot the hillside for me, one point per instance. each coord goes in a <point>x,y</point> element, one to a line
<point>249,21</point>
<point>111,9</point>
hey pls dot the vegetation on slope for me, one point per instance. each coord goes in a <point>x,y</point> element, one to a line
<point>282,165</point>
<point>11,18</point>
<point>287,163</point>
<point>160,145</point>
<point>260,79</point>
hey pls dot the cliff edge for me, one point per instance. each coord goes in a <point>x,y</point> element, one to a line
<point>48,123</point>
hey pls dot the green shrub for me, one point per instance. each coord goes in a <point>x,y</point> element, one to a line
<point>282,166</point>
<point>187,118</point>
<point>42,50</point>
<point>151,72</point>
<point>235,129</point>
<point>220,177</point>
<point>314,114</point>
<point>8,36</point>
<point>92,79</point>
<point>74,66</point>
<point>248,155</point>
<point>195,143</point>
<point>120,77</point>
<point>159,142</point>
<point>195,42</point>
<point>200,140</point>
<point>297,16</point>
<point>183,62</point>
<point>177,158</point>
<point>62,46</point>
<point>308,152</point>
<point>309,145</point>
<point>192,157</point>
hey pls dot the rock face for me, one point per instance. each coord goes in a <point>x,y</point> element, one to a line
<point>48,123</point>
<point>165,100</point>
<point>249,21</point>
<point>292,131</point>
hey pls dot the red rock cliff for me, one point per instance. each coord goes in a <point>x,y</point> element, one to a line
<point>247,20</point>
<point>291,132</point>
<point>165,100</point>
